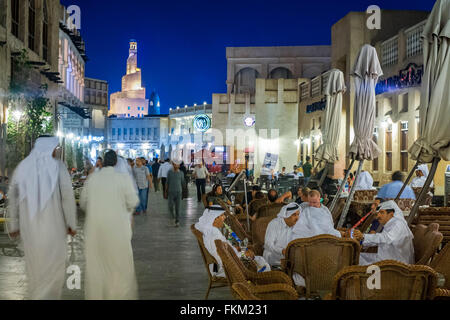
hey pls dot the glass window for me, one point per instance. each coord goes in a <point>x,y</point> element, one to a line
<point>119,131</point>
<point>15,17</point>
<point>143,131</point>
<point>31,24</point>
<point>131,131</point>
<point>45,33</point>
<point>113,131</point>
<point>404,146</point>
<point>124,131</point>
<point>156,134</point>
<point>388,146</point>
<point>149,132</point>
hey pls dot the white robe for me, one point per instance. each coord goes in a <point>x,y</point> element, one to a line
<point>365,182</point>
<point>278,235</point>
<point>108,199</point>
<point>312,222</point>
<point>395,242</point>
<point>44,237</point>
<point>213,234</point>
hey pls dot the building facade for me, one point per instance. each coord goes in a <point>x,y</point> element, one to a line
<point>136,137</point>
<point>261,103</point>
<point>96,100</point>
<point>398,93</point>
<point>32,26</point>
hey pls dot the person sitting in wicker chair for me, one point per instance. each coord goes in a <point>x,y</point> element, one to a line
<point>395,242</point>
<point>315,219</point>
<point>278,234</point>
<point>210,224</point>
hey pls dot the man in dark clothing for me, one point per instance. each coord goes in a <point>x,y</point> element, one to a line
<point>307,168</point>
<point>155,169</point>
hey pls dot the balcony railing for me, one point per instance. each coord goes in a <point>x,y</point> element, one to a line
<point>315,88</point>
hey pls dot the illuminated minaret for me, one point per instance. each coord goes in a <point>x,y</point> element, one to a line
<point>130,102</point>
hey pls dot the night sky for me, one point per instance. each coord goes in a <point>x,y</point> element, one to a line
<point>181,44</point>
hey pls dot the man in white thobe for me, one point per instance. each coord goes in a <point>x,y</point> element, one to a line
<point>108,198</point>
<point>421,177</point>
<point>278,234</point>
<point>209,225</point>
<point>315,219</point>
<point>365,181</point>
<point>395,242</point>
<point>42,210</point>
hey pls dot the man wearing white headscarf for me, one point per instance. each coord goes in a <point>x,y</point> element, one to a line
<point>278,233</point>
<point>365,181</point>
<point>421,177</point>
<point>42,209</point>
<point>395,242</point>
<point>315,219</point>
<point>209,225</point>
<point>108,199</point>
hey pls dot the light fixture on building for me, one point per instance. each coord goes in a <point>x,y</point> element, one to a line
<point>120,146</point>
<point>204,103</point>
<point>249,121</point>
<point>195,104</point>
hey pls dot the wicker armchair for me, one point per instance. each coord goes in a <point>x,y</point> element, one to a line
<point>404,204</point>
<point>336,214</point>
<point>236,272</point>
<point>399,281</point>
<point>441,263</point>
<point>214,282</point>
<point>248,291</point>
<point>319,259</point>
<point>365,195</point>
<point>204,201</point>
<point>440,215</point>
<point>259,228</point>
<point>426,242</point>
<point>428,198</point>
<point>255,204</point>
<point>270,210</point>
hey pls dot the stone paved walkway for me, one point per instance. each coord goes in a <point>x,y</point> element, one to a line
<point>167,260</point>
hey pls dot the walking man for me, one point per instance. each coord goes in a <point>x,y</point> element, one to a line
<point>155,169</point>
<point>43,211</point>
<point>108,199</point>
<point>143,180</point>
<point>174,190</point>
<point>200,175</point>
<point>162,173</point>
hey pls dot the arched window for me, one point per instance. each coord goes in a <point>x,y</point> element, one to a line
<point>245,80</point>
<point>280,73</point>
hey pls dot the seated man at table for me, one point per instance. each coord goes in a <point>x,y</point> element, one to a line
<point>315,219</point>
<point>395,242</point>
<point>365,181</point>
<point>210,224</point>
<point>391,190</point>
<point>213,197</point>
<point>302,195</point>
<point>278,233</point>
<point>421,177</point>
<point>397,213</point>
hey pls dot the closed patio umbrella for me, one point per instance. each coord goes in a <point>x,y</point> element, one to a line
<point>366,73</point>
<point>433,143</point>
<point>163,152</point>
<point>331,125</point>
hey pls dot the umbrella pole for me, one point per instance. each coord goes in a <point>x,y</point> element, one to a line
<point>315,168</point>
<point>246,202</point>
<point>350,196</point>
<point>338,194</point>
<point>407,180</point>
<point>324,174</point>
<point>424,191</point>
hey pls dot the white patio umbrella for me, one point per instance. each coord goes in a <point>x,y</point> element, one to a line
<point>433,143</point>
<point>170,152</point>
<point>163,152</point>
<point>331,123</point>
<point>366,73</point>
